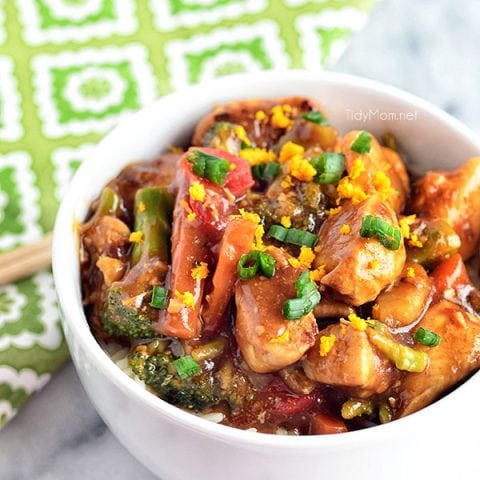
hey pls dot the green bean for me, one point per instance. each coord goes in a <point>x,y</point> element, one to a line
<point>108,204</point>
<point>153,206</point>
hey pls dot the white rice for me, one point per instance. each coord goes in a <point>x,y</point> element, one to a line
<point>119,356</point>
<point>215,417</point>
<point>123,364</point>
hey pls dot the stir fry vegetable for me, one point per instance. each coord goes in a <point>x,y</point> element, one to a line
<point>284,277</point>
<point>126,311</point>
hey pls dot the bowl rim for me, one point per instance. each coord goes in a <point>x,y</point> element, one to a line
<point>75,322</point>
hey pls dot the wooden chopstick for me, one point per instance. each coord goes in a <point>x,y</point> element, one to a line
<point>26,260</point>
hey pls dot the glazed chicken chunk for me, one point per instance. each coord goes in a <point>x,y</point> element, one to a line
<point>352,363</point>
<point>263,134</point>
<point>383,171</point>
<point>456,356</point>
<point>267,340</point>
<point>455,198</point>
<point>357,268</point>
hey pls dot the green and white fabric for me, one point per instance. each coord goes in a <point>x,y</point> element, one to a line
<point>70,70</point>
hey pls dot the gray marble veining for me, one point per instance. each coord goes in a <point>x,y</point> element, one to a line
<point>428,47</point>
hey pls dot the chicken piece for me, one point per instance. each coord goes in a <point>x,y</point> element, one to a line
<point>242,112</point>
<point>267,340</point>
<point>379,162</point>
<point>313,137</point>
<point>406,300</point>
<point>159,172</point>
<point>105,236</point>
<point>352,363</point>
<point>455,198</point>
<point>358,268</point>
<point>111,268</point>
<point>457,355</point>
<point>398,166</point>
<point>330,308</point>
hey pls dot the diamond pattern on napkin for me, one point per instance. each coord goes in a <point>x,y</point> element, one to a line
<point>244,48</point>
<point>60,21</point>
<point>11,128</point>
<point>91,90</point>
<point>19,196</point>
<point>172,14</point>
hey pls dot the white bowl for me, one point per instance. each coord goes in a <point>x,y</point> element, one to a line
<point>438,440</point>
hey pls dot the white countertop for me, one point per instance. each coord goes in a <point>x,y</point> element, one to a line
<point>429,48</point>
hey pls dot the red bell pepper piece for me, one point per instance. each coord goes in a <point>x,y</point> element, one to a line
<point>450,274</point>
<point>285,404</point>
<point>239,179</point>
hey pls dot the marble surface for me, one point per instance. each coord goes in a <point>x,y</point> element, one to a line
<point>429,48</point>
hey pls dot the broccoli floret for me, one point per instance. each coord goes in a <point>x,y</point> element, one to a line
<point>159,373</point>
<point>196,392</point>
<point>305,203</point>
<point>120,320</point>
<point>239,391</point>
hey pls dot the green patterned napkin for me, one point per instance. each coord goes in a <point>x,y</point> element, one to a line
<point>70,70</point>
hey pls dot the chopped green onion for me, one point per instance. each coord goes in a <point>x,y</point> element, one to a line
<point>300,237</point>
<point>329,167</point>
<point>315,117</point>
<point>362,144</point>
<point>292,235</point>
<point>294,308</point>
<point>308,297</point>
<point>159,297</point>
<point>278,232</point>
<point>311,296</point>
<point>253,262</point>
<point>266,171</point>
<point>209,166</point>
<point>267,264</point>
<point>248,265</point>
<point>302,282</point>
<point>308,290</point>
<point>272,169</point>
<point>186,366</point>
<point>245,146</point>
<point>198,163</point>
<point>216,171</point>
<point>426,337</point>
<point>388,235</point>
